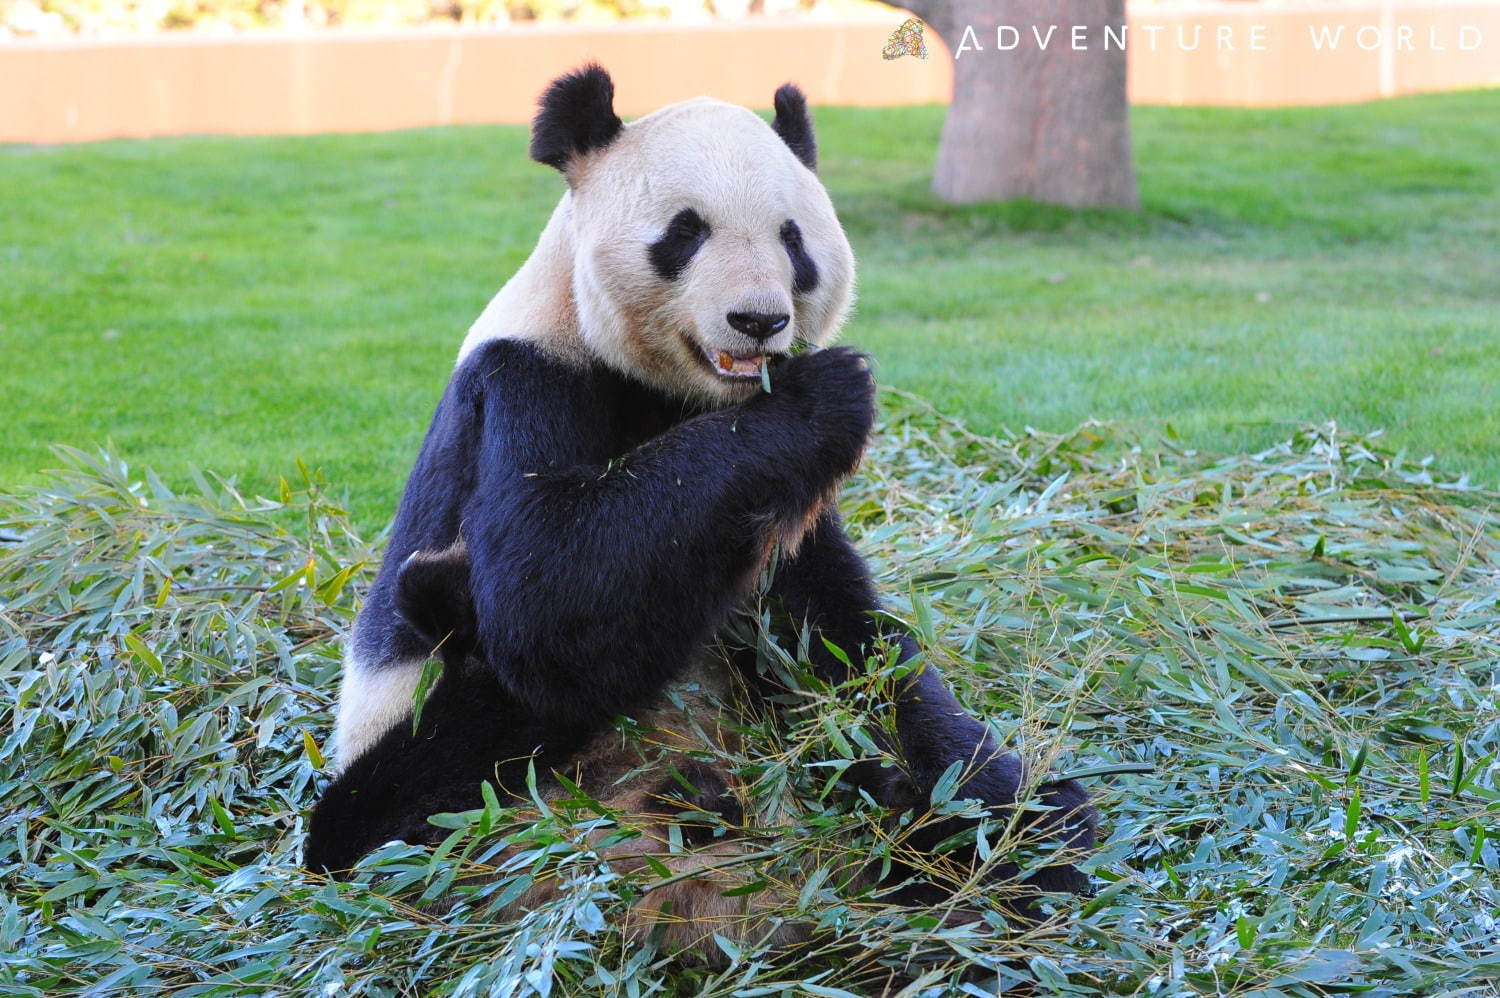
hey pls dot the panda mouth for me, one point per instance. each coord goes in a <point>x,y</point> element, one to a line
<point>734,366</point>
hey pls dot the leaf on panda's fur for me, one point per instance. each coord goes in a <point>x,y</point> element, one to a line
<point>431,670</point>
<point>947,784</point>
<point>837,653</point>
<point>754,887</point>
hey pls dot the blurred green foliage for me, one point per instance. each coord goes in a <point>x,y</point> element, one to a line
<point>50,18</point>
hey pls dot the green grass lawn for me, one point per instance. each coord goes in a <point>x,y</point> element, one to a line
<point>236,303</point>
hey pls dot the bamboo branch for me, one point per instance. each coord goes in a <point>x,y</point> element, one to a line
<point>1350,618</point>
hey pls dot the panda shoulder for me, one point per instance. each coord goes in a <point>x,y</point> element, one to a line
<point>512,364</point>
<point>506,385</point>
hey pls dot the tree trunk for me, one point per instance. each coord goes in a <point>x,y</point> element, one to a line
<point>1048,124</point>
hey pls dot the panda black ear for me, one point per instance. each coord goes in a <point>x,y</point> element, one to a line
<point>432,595</point>
<point>794,124</point>
<point>575,115</point>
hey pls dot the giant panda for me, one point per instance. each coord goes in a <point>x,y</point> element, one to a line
<point>604,481</point>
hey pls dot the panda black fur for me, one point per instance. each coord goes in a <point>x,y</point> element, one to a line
<point>604,480</point>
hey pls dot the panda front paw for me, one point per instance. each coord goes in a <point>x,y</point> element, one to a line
<point>1058,817</point>
<point>824,408</point>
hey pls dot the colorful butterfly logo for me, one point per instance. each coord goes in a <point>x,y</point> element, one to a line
<point>905,40</point>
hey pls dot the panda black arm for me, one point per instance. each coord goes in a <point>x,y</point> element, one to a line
<point>595,581</point>
<point>827,586</point>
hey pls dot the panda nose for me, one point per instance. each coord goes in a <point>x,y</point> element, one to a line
<point>759,325</point>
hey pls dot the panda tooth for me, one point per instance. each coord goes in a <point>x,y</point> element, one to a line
<point>726,362</point>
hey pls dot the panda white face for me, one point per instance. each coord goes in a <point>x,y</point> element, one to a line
<point>703,246</point>
<point>692,245</point>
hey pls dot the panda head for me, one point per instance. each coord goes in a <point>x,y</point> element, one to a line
<point>703,243</point>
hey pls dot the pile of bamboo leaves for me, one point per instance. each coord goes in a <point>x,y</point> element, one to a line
<point>1277,673</point>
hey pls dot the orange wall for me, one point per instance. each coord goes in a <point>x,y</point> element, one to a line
<point>1291,72</point>
<point>360,82</point>
<point>82,90</point>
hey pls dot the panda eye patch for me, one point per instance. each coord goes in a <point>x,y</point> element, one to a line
<point>685,233</point>
<point>804,271</point>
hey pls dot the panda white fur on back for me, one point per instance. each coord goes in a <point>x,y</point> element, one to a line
<point>604,479</point>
